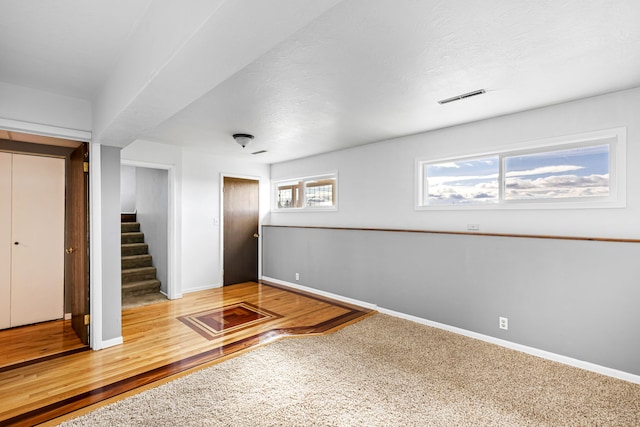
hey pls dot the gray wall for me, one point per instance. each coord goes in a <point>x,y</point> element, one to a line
<point>111,263</point>
<point>573,298</point>
<point>152,204</point>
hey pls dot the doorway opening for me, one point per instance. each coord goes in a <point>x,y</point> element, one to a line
<point>66,328</point>
<point>147,233</point>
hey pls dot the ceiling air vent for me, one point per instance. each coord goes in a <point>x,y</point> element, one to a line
<point>463,96</point>
<point>259,152</point>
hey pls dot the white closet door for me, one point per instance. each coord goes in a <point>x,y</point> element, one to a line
<point>37,242</point>
<point>5,240</point>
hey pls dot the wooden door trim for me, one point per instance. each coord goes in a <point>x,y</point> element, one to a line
<point>224,175</point>
<point>16,132</point>
<point>42,148</point>
<point>77,237</point>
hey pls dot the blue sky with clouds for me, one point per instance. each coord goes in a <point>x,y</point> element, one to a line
<point>567,173</point>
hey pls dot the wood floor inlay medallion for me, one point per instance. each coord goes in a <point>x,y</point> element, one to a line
<point>230,318</point>
<point>158,347</point>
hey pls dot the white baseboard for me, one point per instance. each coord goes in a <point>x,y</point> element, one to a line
<point>321,293</point>
<point>603,370</point>
<point>202,288</point>
<point>110,343</point>
<point>176,296</point>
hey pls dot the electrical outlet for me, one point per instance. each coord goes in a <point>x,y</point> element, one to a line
<point>297,276</point>
<point>473,227</point>
<point>503,323</point>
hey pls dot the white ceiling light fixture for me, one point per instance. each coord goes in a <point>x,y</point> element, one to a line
<point>243,139</point>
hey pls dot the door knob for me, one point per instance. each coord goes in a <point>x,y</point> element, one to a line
<point>16,243</point>
<point>69,250</point>
<point>256,235</point>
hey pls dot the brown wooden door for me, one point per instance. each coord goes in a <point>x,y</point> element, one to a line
<point>77,241</point>
<point>240,213</point>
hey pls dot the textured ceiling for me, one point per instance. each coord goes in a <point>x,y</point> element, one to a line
<point>309,79</point>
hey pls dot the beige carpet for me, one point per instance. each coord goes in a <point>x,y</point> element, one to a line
<point>382,371</point>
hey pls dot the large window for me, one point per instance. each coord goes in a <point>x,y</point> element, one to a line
<point>309,193</point>
<point>581,171</point>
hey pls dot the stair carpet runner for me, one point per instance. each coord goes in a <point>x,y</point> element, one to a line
<point>138,273</point>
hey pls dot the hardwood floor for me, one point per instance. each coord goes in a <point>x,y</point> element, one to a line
<point>165,340</point>
<point>31,344</point>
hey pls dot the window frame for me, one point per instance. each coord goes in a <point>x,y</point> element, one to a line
<point>302,185</point>
<point>616,138</point>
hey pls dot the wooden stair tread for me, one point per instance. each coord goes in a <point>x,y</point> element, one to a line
<point>128,217</point>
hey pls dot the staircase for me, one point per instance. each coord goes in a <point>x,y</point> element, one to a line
<point>138,274</point>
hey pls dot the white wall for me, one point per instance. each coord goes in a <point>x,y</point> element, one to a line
<point>201,207</point>
<point>163,156</point>
<point>145,191</point>
<point>153,205</point>
<point>28,110</point>
<point>34,106</point>
<point>376,181</point>
<point>127,188</point>
<point>197,206</point>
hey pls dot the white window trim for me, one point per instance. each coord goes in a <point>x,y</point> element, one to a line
<point>617,173</point>
<point>274,194</point>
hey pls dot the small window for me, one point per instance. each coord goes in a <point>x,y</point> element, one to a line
<point>318,192</point>
<point>289,195</point>
<point>584,170</point>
